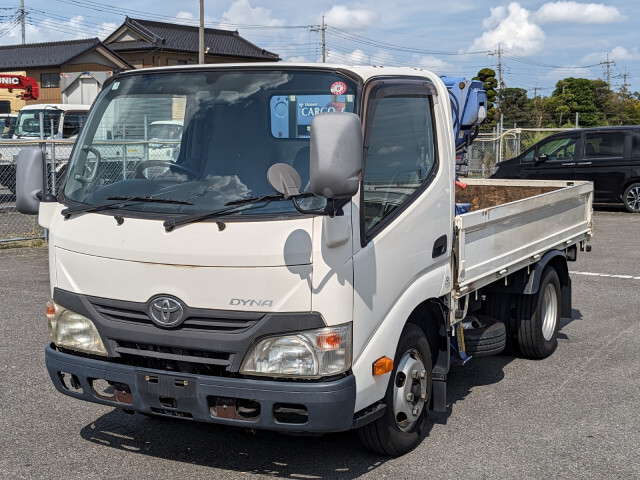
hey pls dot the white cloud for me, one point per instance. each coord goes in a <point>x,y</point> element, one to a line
<point>498,14</point>
<point>622,54</point>
<point>574,12</point>
<point>617,54</point>
<point>50,30</point>
<point>342,17</point>
<point>512,29</point>
<point>432,63</point>
<point>356,57</point>
<point>242,13</point>
<point>186,18</point>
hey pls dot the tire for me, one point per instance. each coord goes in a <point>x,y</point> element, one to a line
<point>539,317</point>
<point>407,398</point>
<point>499,306</point>
<point>631,198</point>
<point>488,337</point>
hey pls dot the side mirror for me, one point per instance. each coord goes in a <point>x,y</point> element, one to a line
<point>335,155</point>
<point>543,157</point>
<point>30,180</point>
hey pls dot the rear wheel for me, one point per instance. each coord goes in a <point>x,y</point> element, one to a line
<point>407,398</point>
<point>631,198</point>
<point>539,317</point>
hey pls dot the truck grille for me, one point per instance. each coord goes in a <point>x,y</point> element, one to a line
<point>174,359</point>
<point>195,319</point>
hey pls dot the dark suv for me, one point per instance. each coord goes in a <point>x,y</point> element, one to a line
<point>607,156</point>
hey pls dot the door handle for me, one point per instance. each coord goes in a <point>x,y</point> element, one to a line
<point>439,247</point>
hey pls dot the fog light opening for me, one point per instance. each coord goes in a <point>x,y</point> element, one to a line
<point>290,413</point>
<point>234,408</point>
<point>112,391</point>
<point>70,382</point>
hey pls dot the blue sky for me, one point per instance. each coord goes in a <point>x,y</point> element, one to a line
<point>540,42</point>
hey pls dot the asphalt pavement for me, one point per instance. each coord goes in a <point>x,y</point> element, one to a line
<point>574,415</point>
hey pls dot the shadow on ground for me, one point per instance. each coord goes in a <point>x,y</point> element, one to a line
<point>331,456</point>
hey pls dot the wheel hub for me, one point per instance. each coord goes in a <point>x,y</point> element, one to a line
<point>550,311</point>
<point>410,390</point>
<point>633,198</point>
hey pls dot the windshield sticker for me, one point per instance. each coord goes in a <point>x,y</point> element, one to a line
<point>115,85</point>
<point>338,88</point>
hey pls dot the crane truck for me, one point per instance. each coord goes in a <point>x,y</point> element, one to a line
<point>304,262</point>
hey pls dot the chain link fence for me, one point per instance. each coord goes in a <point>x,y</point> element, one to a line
<point>107,162</point>
<point>491,148</point>
<point>13,225</point>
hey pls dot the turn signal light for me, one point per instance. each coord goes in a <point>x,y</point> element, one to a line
<point>328,341</point>
<point>382,365</point>
<point>50,310</point>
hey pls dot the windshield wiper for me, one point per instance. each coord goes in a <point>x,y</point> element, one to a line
<point>120,200</point>
<point>231,206</point>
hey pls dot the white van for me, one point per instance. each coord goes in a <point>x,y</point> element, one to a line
<point>60,120</point>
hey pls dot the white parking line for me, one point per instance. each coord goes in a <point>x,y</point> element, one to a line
<point>608,275</point>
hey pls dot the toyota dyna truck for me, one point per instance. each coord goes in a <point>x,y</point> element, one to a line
<point>304,262</point>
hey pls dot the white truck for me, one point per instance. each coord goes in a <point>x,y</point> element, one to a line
<point>299,266</point>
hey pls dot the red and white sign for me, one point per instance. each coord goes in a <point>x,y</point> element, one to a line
<point>338,88</point>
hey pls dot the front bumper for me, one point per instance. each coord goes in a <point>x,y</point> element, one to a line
<point>283,406</point>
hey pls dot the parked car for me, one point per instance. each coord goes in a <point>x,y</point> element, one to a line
<point>607,156</point>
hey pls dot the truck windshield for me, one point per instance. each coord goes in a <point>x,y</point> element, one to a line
<point>28,122</point>
<point>221,131</point>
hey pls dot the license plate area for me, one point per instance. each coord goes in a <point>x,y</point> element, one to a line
<point>168,394</point>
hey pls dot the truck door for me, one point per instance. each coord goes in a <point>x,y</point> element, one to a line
<point>405,208</point>
<point>553,159</point>
<point>606,162</point>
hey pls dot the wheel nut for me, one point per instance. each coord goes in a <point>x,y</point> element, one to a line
<point>410,397</point>
<point>415,373</point>
<point>416,411</point>
<point>423,374</point>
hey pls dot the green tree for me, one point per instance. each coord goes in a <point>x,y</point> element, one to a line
<point>515,107</point>
<point>488,77</point>
<point>591,99</point>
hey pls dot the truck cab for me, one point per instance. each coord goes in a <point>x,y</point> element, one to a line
<point>61,121</point>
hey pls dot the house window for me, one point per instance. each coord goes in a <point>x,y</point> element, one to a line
<point>49,80</point>
<point>175,61</point>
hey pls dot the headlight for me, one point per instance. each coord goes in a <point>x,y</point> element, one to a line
<point>74,331</point>
<point>307,354</point>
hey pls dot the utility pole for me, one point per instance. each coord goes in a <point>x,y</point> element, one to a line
<point>500,79</point>
<point>625,85</point>
<point>322,29</point>
<point>22,19</point>
<point>535,92</point>
<point>608,64</point>
<point>200,34</point>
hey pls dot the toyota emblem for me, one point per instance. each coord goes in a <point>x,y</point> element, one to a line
<point>166,311</point>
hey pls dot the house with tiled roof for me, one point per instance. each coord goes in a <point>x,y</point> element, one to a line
<point>145,43</point>
<point>61,68</point>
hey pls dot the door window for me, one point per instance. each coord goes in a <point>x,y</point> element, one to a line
<point>558,149</point>
<point>400,154</point>
<point>635,149</point>
<point>604,145</point>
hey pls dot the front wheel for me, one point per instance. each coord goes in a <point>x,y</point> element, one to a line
<point>407,398</point>
<point>539,317</point>
<point>631,198</point>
